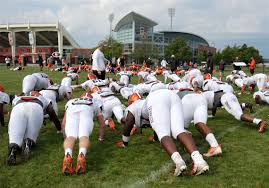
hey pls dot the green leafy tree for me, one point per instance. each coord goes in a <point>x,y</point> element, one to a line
<point>180,49</point>
<point>201,56</point>
<point>113,48</point>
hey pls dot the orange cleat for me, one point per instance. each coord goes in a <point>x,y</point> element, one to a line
<point>81,164</point>
<point>67,165</point>
<point>111,124</point>
<point>213,151</point>
<point>120,144</point>
<point>133,131</point>
<point>151,139</point>
<point>262,126</point>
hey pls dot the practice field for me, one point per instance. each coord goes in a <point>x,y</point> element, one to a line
<point>244,162</point>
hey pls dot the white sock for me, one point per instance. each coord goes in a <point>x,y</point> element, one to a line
<point>256,121</point>
<point>82,150</point>
<point>176,157</point>
<point>196,157</point>
<point>243,105</point>
<point>68,151</point>
<point>210,138</point>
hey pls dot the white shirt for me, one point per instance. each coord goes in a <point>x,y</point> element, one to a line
<point>4,98</point>
<point>45,102</point>
<point>7,60</point>
<point>164,63</point>
<point>98,62</point>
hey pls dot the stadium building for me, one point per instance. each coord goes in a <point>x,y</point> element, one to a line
<point>26,41</point>
<point>135,30</point>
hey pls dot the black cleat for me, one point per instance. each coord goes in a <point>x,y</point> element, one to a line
<point>12,151</point>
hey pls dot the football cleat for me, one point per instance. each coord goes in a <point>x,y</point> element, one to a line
<point>111,124</point>
<point>120,144</point>
<point>12,151</point>
<point>151,139</point>
<point>67,165</point>
<point>27,147</point>
<point>262,126</point>
<point>213,151</point>
<point>199,168</point>
<point>180,167</point>
<point>133,131</point>
<point>81,164</point>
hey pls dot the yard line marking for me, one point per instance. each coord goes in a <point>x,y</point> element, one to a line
<point>168,164</point>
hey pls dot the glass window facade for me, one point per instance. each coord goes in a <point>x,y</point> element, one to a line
<point>125,33</point>
<point>143,32</point>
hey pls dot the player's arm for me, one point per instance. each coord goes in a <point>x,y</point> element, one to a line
<point>129,124</point>
<point>2,120</point>
<point>243,88</point>
<point>53,117</point>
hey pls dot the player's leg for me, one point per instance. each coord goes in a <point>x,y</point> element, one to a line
<point>179,133</point>
<point>85,130</point>
<point>35,117</point>
<point>159,116</point>
<point>71,131</point>
<point>16,131</point>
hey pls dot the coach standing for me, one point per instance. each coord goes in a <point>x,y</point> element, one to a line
<point>98,63</point>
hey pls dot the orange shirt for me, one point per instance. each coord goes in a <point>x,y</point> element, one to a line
<point>252,64</point>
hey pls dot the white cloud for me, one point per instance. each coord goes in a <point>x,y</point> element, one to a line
<point>87,20</point>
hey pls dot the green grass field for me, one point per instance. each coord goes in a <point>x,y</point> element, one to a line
<point>244,162</point>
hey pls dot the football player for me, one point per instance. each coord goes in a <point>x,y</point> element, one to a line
<point>25,122</point>
<point>163,109</point>
<point>4,100</point>
<point>78,124</point>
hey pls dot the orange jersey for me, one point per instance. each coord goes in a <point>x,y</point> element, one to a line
<point>252,64</point>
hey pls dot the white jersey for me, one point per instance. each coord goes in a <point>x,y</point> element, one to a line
<point>73,76</point>
<point>178,85</point>
<point>99,82</point>
<point>139,111</point>
<point>44,103</point>
<point>197,81</point>
<point>261,80</point>
<point>78,104</point>
<point>66,81</point>
<point>4,98</point>
<point>87,84</point>
<point>264,95</point>
<point>142,74</point>
<point>190,74</point>
<point>249,81</point>
<point>210,85</point>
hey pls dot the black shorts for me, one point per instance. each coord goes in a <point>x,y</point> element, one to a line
<point>101,76</point>
<point>8,64</point>
<point>251,71</point>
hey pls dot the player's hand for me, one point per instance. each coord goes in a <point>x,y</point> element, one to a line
<point>133,131</point>
<point>120,144</point>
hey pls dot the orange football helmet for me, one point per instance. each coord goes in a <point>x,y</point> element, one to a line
<point>91,76</point>
<point>134,97</point>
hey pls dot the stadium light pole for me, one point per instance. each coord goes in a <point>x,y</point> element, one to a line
<point>110,19</point>
<point>171,13</point>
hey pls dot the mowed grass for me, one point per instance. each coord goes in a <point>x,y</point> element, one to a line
<point>244,162</point>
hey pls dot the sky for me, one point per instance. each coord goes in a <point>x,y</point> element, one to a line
<point>220,22</point>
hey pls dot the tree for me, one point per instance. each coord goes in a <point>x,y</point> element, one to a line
<point>179,49</point>
<point>113,48</point>
<point>217,57</point>
<point>201,56</point>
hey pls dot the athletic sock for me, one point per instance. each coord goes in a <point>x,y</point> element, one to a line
<point>176,158</point>
<point>210,138</point>
<point>196,157</point>
<point>83,151</point>
<point>68,151</point>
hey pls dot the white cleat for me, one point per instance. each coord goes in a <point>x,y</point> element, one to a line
<point>213,151</point>
<point>199,168</point>
<point>180,167</point>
